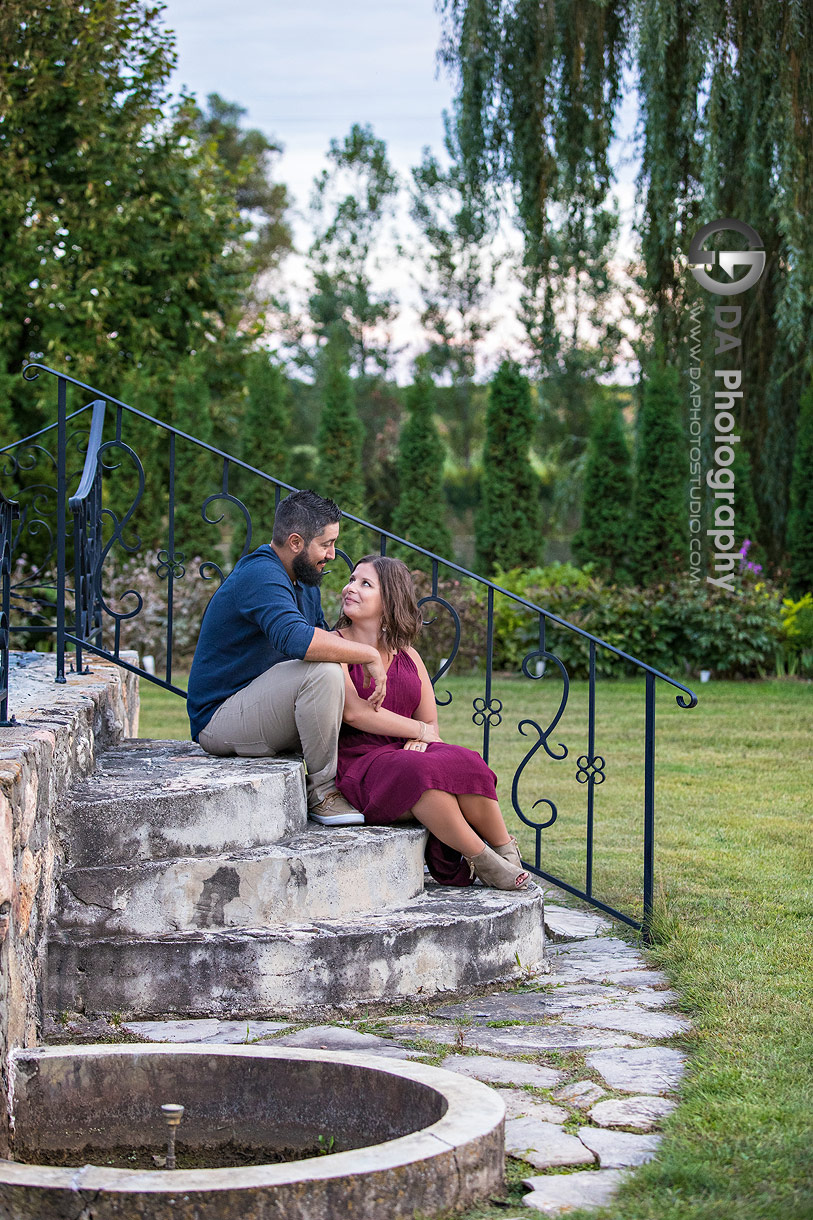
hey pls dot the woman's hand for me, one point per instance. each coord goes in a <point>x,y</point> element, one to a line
<point>415,744</point>
<point>375,674</point>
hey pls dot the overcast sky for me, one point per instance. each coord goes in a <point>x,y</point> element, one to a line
<point>307,71</point>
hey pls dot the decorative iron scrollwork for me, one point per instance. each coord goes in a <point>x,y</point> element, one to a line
<point>437,600</point>
<point>170,563</point>
<point>487,711</point>
<point>119,523</point>
<point>523,726</point>
<point>229,499</point>
<point>216,570</point>
<point>587,769</point>
<point>544,734</point>
<point>543,653</point>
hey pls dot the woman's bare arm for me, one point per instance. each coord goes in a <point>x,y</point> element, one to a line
<point>331,646</point>
<point>359,715</point>
<point>427,709</point>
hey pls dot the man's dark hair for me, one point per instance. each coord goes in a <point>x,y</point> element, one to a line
<point>303,513</point>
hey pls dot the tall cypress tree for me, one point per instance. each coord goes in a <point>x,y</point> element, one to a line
<point>800,520</point>
<point>196,470</point>
<point>340,438</point>
<point>267,416</point>
<point>603,536</point>
<point>508,526</point>
<point>265,445</point>
<point>658,545</point>
<point>421,512</point>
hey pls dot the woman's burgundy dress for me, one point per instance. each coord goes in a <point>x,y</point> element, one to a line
<point>383,780</point>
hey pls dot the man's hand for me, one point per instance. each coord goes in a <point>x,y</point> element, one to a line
<point>375,672</point>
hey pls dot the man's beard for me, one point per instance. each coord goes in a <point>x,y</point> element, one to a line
<point>306,572</point>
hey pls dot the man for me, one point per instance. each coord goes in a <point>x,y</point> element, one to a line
<point>267,673</point>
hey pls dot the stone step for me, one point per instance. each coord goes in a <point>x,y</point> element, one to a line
<point>446,941</point>
<point>323,873</point>
<point>152,800</point>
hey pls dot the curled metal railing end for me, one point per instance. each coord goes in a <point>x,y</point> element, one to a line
<point>32,371</point>
<point>682,702</point>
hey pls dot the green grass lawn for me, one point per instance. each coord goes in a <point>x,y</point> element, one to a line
<point>734,927</point>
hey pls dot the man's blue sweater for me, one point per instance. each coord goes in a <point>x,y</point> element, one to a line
<point>256,618</point>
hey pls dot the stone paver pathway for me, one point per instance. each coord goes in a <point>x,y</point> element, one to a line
<point>602,1007</point>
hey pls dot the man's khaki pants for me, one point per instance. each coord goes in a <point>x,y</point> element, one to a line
<point>295,705</point>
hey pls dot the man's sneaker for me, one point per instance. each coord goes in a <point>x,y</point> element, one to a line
<point>334,810</point>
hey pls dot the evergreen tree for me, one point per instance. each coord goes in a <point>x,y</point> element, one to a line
<point>149,443</point>
<point>267,417</point>
<point>265,444</point>
<point>508,526</point>
<point>302,465</point>
<point>120,241</point>
<point>603,537</point>
<point>380,406</point>
<point>248,157</point>
<point>658,544</point>
<point>339,439</point>
<point>421,513</point>
<point>10,428</point>
<point>196,470</point>
<point>800,520</point>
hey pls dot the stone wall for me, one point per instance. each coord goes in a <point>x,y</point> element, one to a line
<point>60,730</point>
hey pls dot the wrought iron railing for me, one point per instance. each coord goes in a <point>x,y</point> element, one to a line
<point>103,532</point>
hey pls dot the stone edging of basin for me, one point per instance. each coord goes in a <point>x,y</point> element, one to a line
<point>450,1163</point>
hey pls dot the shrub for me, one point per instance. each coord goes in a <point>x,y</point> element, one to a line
<point>796,652</point>
<point>679,627</point>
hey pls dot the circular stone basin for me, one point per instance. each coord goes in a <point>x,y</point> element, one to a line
<point>406,1138</point>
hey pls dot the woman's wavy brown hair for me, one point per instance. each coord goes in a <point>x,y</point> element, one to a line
<point>400,616</point>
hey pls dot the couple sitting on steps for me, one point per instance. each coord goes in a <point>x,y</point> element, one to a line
<point>270,676</point>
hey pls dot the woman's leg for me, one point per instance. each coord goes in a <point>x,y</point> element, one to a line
<point>441,813</point>
<point>485,816</point>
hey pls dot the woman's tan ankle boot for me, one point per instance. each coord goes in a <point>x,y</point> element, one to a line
<point>510,852</point>
<point>496,872</point>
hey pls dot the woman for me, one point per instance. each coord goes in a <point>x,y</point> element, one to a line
<point>392,760</point>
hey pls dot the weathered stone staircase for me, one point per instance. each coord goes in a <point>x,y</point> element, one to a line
<point>196,886</point>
